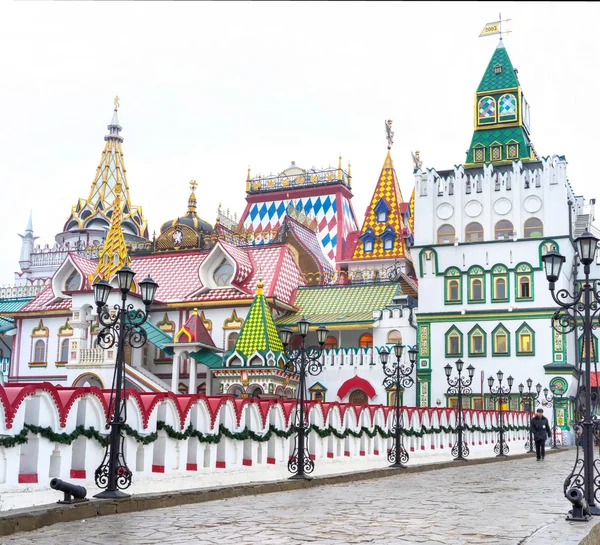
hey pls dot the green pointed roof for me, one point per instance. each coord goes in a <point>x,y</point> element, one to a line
<point>259,333</point>
<point>505,79</point>
<point>501,132</point>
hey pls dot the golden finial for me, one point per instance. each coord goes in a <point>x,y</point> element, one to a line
<point>349,175</point>
<point>193,185</point>
<point>117,103</point>
<point>195,313</point>
<point>389,133</point>
<point>248,177</point>
<point>192,200</point>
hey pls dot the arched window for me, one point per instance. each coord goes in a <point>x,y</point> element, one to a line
<point>388,243</point>
<point>446,234</point>
<point>504,229</point>
<point>533,228</point>
<point>524,287</point>
<point>358,397</point>
<point>382,216</point>
<point>500,288</point>
<point>39,353</point>
<point>64,350</point>
<point>73,282</point>
<point>231,340</point>
<point>394,337</point>
<point>453,290</point>
<point>476,290</point>
<point>368,245</point>
<point>366,341</point>
<point>223,273</point>
<point>487,110</point>
<point>474,232</point>
<point>331,342</point>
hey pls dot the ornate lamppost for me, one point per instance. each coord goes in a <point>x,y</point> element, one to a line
<point>579,310</point>
<point>499,393</point>
<point>531,397</point>
<point>398,375</point>
<point>121,326</point>
<point>302,360</point>
<point>459,386</point>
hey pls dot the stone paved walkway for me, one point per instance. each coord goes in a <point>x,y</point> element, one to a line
<point>515,502</point>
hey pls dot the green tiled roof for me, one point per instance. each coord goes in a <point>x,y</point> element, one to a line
<point>503,136</point>
<point>208,358</point>
<point>158,337</point>
<point>505,79</point>
<point>259,333</point>
<point>341,304</point>
<point>10,305</point>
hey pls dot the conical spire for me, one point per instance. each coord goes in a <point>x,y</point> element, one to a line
<point>29,228</point>
<point>113,255</point>
<point>383,231</point>
<point>110,172</point>
<point>502,129</point>
<point>259,334</point>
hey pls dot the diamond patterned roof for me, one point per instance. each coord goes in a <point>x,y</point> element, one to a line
<point>388,191</point>
<point>505,79</point>
<point>194,331</point>
<point>259,333</point>
<point>333,305</point>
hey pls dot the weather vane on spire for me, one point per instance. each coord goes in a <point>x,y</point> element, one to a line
<point>193,185</point>
<point>116,101</point>
<point>495,27</point>
<point>389,133</point>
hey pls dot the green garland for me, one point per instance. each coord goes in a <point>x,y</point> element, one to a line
<point>244,435</point>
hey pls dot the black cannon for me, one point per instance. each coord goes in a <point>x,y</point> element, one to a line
<point>581,509</point>
<point>73,492</point>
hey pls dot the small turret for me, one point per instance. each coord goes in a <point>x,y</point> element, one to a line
<point>27,241</point>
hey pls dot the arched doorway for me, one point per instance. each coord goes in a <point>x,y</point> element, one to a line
<point>236,391</point>
<point>358,397</point>
<point>88,379</point>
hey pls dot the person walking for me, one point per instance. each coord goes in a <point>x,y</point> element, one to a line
<point>540,428</point>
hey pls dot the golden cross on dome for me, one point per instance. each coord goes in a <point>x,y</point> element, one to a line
<point>389,133</point>
<point>193,185</point>
<point>117,103</point>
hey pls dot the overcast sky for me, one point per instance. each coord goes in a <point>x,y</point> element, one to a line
<point>210,88</point>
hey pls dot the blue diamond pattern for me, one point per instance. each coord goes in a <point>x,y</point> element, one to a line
<point>253,212</point>
<point>326,240</point>
<point>262,211</point>
<point>272,210</point>
<point>317,206</point>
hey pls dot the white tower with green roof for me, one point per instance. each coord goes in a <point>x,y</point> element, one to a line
<point>481,229</point>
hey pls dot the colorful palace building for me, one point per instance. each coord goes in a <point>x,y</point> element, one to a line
<point>469,241</point>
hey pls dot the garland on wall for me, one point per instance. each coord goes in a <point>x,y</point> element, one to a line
<point>91,433</point>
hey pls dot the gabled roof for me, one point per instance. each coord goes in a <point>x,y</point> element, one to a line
<point>309,241</point>
<point>259,333</point>
<point>336,305</point>
<point>44,301</point>
<point>193,331</point>
<point>387,194</point>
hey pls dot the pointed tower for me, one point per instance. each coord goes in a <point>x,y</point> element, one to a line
<point>27,241</point>
<point>501,131</point>
<point>91,217</point>
<point>385,228</point>
<point>114,254</point>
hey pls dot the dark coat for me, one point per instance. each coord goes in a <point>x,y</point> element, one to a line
<point>540,427</point>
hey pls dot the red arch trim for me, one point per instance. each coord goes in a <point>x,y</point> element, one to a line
<point>354,383</point>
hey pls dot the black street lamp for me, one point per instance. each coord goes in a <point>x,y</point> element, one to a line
<point>398,375</point>
<point>531,397</point>
<point>579,310</point>
<point>499,393</point>
<point>121,327</point>
<point>300,361</point>
<point>459,386</point>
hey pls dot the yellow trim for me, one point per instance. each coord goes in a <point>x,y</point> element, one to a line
<point>495,111</point>
<point>183,331</point>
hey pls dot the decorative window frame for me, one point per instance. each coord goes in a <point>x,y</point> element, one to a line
<point>523,270</point>
<point>368,237</point>
<point>525,327</point>
<point>500,271</point>
<point>166,325</point>
<point>450,275</point>
<point>390,394</point>
<point>533,218</point>
<point>381,206</point>
<point>500,329</point>
<point>451,333</point>
<point>39,333</point>
<point>317,387</point>
<point>546,246</point>
<point>508,118</point>
<point>496,230</point>
<point>482,231</point>
<point>511,151</point>
<point>581,355</point>
<point>388,234</point>
<point>437,234</point>
<point>495,147</point>
<point>428,254</point>
<point>483,121</point>
<point>472,333</point>
<point>482,149</point>
<point>476,273</point>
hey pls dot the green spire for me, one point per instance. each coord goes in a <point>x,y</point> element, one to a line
<point>503,77</point>
<point>259,333</point>
<point>501,132</point>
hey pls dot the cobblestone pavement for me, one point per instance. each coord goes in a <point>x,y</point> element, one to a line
<point>516,502</point>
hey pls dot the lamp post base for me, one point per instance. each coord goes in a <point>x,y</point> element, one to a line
<point>459,459</point>
<point>397,465</point>
<point>501,455</point>
<point>112,495</point>
<point>300,477</point>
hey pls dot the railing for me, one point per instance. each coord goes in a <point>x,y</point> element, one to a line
<point>167,433</point>
<point>303,178</point>
<point>91,356</point>
<point>22,292</point>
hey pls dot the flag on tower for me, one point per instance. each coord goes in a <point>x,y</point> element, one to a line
<point>491,28</point>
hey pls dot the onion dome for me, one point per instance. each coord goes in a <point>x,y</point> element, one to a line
<point>191,218</point>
